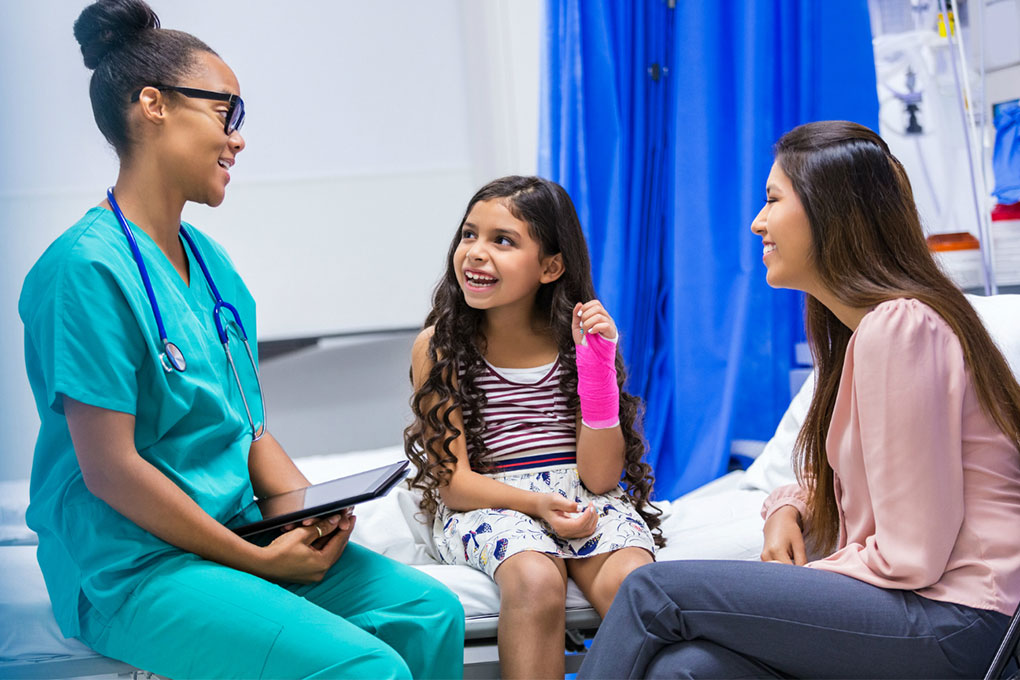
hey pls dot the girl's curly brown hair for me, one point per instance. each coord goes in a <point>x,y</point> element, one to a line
<point>457,345</point>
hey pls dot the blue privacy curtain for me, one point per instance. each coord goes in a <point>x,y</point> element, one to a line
<point>659,122</point>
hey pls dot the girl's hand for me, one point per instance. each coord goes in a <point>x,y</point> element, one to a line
<point>595,341</point>
<point>305,553</point>
<point>784,539</point>
<point>558,513</point>
<point>591,317</point>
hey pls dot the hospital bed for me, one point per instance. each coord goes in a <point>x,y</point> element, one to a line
<point>721,520</point>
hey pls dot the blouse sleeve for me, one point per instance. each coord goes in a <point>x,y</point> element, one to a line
<point>909,382</point>
<point>789,494</point>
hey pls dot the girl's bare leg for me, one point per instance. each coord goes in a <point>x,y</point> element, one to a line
<point>600,576</point>
<point>533,596</point>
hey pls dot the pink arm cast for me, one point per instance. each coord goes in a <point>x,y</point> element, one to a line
<point>596,382</point>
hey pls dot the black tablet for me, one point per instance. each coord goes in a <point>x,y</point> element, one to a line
<point>323,499</point>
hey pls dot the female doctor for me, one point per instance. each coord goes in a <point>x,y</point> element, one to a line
<point>153,429</point>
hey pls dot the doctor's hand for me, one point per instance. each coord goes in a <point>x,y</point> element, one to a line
<point>346,512</point>
<point>564,518</point>
<point>305,553</point>
<point>784,538</point>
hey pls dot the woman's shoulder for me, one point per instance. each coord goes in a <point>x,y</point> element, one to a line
<point>81,241</point>
<point>900,324</point>
<point>902,312</point>
<point>79,259</point>
<point>81,247</point>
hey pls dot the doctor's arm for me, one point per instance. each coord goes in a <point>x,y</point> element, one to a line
<point>114,472</point>
<point>272,471</point>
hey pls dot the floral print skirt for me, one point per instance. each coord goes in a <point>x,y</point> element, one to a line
<point>485,538</point>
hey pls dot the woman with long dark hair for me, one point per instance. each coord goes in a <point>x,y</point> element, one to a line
<point>522,430</point>
<point>907,463</point>
<point>153,438</point>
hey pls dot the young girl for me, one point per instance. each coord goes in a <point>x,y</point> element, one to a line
<point>908,469</point>
<point>522,432</point>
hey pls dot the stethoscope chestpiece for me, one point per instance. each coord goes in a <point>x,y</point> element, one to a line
<point>172,358</point>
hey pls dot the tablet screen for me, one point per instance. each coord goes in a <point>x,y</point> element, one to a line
<point>322,499</point>
<point>328,493</point>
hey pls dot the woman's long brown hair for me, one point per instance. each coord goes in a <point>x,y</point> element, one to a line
<point>457,346</point>
<point>869,247</point>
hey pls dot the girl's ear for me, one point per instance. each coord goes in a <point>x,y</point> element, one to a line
<point>552,268</point>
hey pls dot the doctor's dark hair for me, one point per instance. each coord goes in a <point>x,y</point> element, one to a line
<point>122,42</point>
<point>869,247</point>
<point>457,346</point>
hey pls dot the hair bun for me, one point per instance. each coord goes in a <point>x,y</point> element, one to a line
<point>107,24</point>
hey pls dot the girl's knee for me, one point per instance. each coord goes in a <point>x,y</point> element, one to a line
<point>531,579</point>
<point>623,563</point>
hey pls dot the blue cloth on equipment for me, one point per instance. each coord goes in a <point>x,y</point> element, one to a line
<point>1006,153</point>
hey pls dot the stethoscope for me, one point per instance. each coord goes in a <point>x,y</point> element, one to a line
<point>172,358</point>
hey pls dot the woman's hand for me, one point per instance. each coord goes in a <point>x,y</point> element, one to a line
<point>591,317</point>
<point>305,553</point>
<point>559,513</point>
<point>332,519</point>
<point>784,538</point>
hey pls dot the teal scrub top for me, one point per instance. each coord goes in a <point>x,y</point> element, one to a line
<point>90,334</point>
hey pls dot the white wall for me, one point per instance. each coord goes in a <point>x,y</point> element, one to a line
<point>369,126</point>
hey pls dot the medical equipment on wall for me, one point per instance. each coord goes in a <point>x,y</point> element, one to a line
<point>934,116</point>
<point>172,358</point>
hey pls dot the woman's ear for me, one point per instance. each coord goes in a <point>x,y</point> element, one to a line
<point>552,268</point>
<point>152,105</point>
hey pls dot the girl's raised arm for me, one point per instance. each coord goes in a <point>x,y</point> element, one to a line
<point>600,443</point>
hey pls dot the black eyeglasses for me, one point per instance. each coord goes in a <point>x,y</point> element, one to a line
<point>235,112</point>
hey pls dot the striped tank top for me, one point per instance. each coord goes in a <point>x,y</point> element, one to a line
<point>527,425</point>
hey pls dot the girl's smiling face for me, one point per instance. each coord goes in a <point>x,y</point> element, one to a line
<point>786,236</point>
<point>497,261</point>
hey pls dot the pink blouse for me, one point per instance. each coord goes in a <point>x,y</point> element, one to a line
<point>928,488</point>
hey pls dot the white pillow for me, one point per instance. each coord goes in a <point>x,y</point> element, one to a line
<point>1001,316</point>
<point>999,313</point>
<point>774,466</point>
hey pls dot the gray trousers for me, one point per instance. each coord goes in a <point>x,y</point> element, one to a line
<point>729,619</point>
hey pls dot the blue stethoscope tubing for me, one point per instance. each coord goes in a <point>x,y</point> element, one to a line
<point>172,358</point>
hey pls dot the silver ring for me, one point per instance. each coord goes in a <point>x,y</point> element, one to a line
<point>319,529</point>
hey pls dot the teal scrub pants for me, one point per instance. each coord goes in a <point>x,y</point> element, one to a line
<point>370,617</point>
